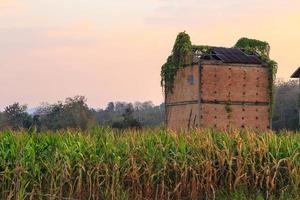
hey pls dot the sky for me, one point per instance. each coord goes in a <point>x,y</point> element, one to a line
<point>113,50</point>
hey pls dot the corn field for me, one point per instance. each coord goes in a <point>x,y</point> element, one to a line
<point>149,164</point>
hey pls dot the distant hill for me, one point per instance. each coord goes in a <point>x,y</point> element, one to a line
<point>31,111</point>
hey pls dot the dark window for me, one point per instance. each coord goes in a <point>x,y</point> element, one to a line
<point>191,79</point>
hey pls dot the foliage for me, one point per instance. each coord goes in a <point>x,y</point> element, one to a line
<point>228,107</point>
<point>2,120</point>
<point>16,117</point>
<point>150,164</point>
<point>204,49</point>
<point>252,46</point>
<point>128,120</point>
<point>181,55</point>
<point>168,73</point>
<point>145,113</point>
<point>285,115</point>
<point>182,50</point>
<point>73,113</point>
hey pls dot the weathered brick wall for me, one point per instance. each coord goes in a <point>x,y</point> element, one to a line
<point>216,116</point>
<point>186,88</point>
<point>182,117</point>
<point>235,83</point>
<point>244,86</point>
<point>185,85</point>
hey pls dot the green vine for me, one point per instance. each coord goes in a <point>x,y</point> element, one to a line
<point>204,49</point>
<point>168,72</point>
<point>182,50</point>
<point>228,107</point>
<point>252,46</point>
<point>180,56</point>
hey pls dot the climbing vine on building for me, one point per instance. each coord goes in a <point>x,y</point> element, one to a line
<point>202,49</point>
<point>228,107</point>
<point>252,46</point>
<point>181,54</point>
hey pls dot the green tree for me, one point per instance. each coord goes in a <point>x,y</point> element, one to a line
<point>77,113</point>
<point>73,113</point>
<point>16,117</point>
<point>2,120</point>
<point>285,114</point>
<point>129,121</point>
<point>110,107</point>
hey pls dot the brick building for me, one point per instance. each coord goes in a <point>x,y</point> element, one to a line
<point>227,88</point>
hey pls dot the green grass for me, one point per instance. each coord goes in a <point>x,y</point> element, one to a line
<point>149,164</point>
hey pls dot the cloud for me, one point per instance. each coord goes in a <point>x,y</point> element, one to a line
<point>206,12</point>
<point>81,30</point>
<point>14,41</point>
<point>47,64</point>
<point>7,3</point>
<point>12,7</point>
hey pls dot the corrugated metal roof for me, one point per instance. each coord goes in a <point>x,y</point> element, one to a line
<point>235,55</point>
<point>296,74</point>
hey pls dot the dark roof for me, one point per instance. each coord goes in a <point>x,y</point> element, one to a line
<point>234,55</point>
<point>296,74</point>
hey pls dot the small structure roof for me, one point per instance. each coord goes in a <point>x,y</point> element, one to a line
<point>228,55</point>
<point>296,74</point>
<point>235,55</point>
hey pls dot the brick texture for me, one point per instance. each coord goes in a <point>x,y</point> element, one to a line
<point>220,83</point>
<point>234,83</point>
<point>216,116</point>
<point>185,89</point>
<point>182,117</point>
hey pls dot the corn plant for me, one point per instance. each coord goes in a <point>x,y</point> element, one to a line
<point>149,164</point>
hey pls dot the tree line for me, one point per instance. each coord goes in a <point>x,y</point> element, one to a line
<point>74,113</point>
<point>285,114</point>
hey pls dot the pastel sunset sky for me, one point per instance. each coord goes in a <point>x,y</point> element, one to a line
<point>109,50</point>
